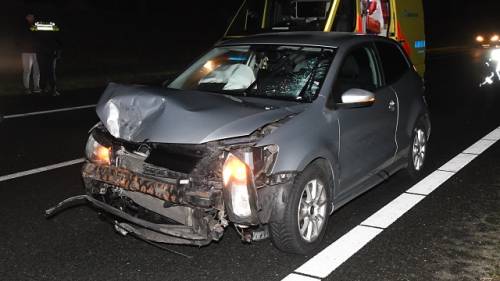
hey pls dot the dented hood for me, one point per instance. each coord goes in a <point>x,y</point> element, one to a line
<point>140,114</point>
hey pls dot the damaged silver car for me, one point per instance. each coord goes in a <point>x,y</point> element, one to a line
<point>269,134</point>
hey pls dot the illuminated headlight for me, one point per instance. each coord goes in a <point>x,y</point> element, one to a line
<point>480,39</point>
<point>97,153</point>
<point>240,169</point>
<point>495,55</point>
<point>237,178</point>
<point>494,38</point>
<point>209,66</point>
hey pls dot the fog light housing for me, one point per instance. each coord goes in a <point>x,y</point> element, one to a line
<point>240,195</point>
<point>97,153</point>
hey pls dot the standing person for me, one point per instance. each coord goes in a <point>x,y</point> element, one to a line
<point>28,57</point>
<point>48,51</point>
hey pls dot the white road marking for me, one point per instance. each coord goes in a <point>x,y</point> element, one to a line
<point>41,169</point>
<point>330,258</point>
<point>479,147</point>
<point>458,162</point>
<point>430,183</point>
<point>339,251</point>
<point>495,135</point>
<point>297,277</point>
<point>48,111</point>
<point>393,211</point>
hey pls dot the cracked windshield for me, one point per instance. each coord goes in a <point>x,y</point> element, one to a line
<point>277,72</point>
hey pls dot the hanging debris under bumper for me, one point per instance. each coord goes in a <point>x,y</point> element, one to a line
<point>200,233</point>
<point>159,210</point>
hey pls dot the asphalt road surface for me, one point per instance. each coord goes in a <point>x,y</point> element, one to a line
<point>452,234</point>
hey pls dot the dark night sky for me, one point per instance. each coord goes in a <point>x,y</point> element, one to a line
<point>174,17</point>
<point>458,19</point>
<point>146,27</point>
<point>127,30</point>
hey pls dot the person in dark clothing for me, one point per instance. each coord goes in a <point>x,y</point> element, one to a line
<point>28,57</point>
<point>48,51</point>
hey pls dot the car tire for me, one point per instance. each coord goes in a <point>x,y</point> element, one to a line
<point>417,153</point>
<point>307,211</point>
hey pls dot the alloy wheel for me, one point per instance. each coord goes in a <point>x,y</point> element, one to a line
<point>312,210</point>
<point>419,149</point>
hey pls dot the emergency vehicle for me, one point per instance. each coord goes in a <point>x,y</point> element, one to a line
<point>401,20</point>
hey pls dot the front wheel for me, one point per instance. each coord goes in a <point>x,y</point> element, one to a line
<point>307,212</point>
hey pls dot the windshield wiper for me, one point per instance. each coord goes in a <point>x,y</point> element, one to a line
<point>233,98</point>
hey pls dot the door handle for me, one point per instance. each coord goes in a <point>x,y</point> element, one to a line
<point>392,105</point>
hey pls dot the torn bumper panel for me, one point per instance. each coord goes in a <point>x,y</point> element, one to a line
<point>165,233</point>
<point>160,210</point>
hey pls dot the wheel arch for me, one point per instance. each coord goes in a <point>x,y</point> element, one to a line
<point>330,169</point>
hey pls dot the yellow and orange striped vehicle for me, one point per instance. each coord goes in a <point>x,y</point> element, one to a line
<point>401,20</point>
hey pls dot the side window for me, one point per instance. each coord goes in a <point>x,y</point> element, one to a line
<point>394,62</point>
<point>359,70</point>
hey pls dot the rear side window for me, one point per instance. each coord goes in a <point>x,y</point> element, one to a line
<point>393,61</point>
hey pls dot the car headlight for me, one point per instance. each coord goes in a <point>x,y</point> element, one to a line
<point>239,173</point>
<point>234,170</point>
<point>494,38</point>
<point>237,180</point>
<point>96,152</point>
<point>480,39</point>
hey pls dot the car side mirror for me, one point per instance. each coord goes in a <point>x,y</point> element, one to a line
<point>356,98</point>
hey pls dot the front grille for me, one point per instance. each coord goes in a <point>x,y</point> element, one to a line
<point>178,158</point>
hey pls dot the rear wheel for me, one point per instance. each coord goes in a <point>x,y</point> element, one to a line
<point>307,212</point>
<point>418,151</point>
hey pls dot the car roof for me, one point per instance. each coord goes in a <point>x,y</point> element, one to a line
<point>310,38</point>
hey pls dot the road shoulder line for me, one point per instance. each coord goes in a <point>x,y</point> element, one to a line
<point>41,169</point>
<point>299,277</point>
<point>12,116</point>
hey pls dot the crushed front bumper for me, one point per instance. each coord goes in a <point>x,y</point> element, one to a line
<point>193,217</point>
<point>194,222</point>
<point>174,191</point>
<point>199,235</point>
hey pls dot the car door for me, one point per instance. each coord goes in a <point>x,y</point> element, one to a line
<point>400,75</point>
<point>367,134</point>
